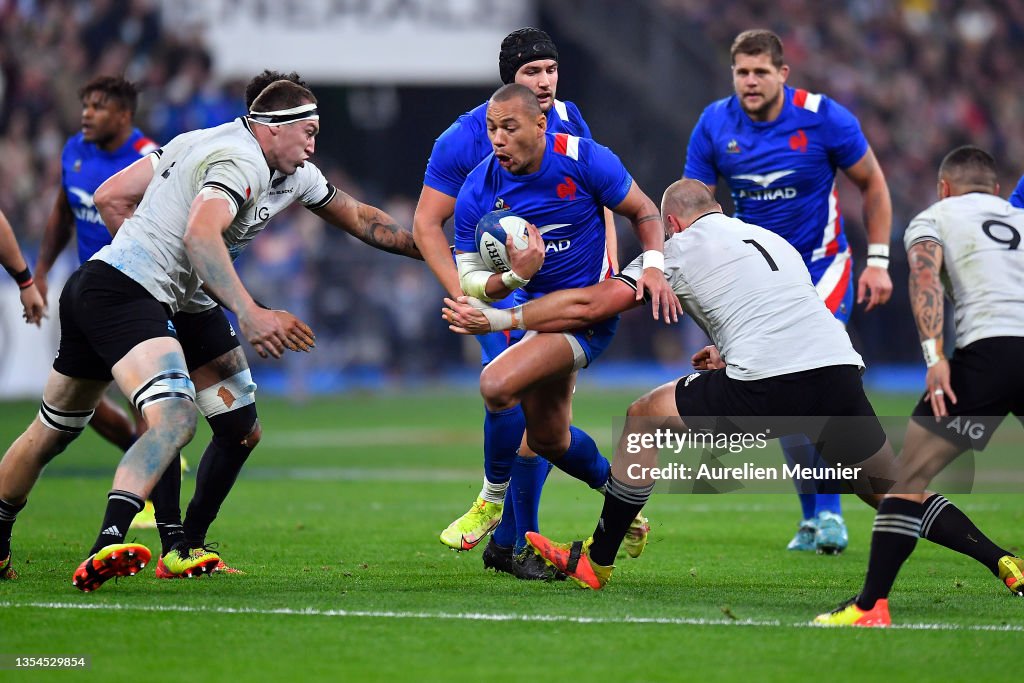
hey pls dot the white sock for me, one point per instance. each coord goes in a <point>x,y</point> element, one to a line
<point>494,493</point>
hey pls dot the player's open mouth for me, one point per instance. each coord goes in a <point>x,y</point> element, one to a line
<point>503,159</point>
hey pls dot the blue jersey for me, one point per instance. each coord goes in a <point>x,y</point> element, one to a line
<point>84,167</point>
<point>564,199</point>
<point>1017,198</point>
<point>465,144</point>
<point>782,172</point>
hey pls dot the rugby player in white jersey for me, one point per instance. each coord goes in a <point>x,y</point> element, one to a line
<point>777,352</point>
<point>203,198</point>
<point>968,246</point>
<point>777,349</point>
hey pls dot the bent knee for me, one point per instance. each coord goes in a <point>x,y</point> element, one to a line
<point>640,407</point>
<point>252,439</point>
<point>236,427</point>
<point>494,388</point>
<point>173,419</point>
<point>550,446</point>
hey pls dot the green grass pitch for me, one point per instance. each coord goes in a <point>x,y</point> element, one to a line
<point>335,521</point>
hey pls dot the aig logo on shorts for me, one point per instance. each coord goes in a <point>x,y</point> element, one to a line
<point>972,430</point>
<point>690,378</point>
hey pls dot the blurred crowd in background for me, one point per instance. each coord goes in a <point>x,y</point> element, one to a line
<point>921,75</point>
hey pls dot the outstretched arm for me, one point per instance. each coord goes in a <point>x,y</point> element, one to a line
<point>370,225</point>
<point>16,266</point>
<point>650,229</point>
<point>874,282</point>
<point>927,302</point>
<point>56,235</point>
<point>210,215</point>
<point>566,309</point>
<point>432,210</point>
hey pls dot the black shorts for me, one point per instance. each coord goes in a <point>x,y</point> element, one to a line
<point>828,405</point>
<point>204,336</point>
<point>104,314</point>
<point>988,378</point>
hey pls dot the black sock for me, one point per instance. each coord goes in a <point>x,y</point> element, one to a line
<point>893,537</point>
<point>8,513</point>
<point>621,504</point>
<point>222,461</point>
<point>166,497</point>
<point>122,506</point>
<point>947,525</point>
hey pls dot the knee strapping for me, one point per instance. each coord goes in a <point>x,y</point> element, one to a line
<point>227,395</point>
<point>165,385</point>
<point>67,421</point>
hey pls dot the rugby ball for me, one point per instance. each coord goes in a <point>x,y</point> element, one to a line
<point>492,230</point>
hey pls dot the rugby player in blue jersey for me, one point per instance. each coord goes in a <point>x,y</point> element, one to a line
<point>528,57</point>
<point>1017,198</point>
<point>778,149</point>
<point>107,143</point>
<point>559,182</point>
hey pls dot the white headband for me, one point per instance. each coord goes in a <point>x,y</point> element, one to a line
<point>280,117</point>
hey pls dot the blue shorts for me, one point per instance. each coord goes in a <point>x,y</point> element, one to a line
<point>840,300</point>
<point>493,343</point>
<point>596,338</point>
<point>845,307</point>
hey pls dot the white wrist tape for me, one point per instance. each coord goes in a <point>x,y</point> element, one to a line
<point>513,281</point>
<point>473,275</point>
<point>654,259</point>
<point>878,262</point>
<point>932,352</point>
<point>504,318</point>
<point>878,256</point>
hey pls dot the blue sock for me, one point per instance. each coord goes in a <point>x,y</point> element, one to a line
<point>828,502</point>
<point>505,533</point>
<point>528,476</point>
<point>583,461</point>
<point>503,432</point>
<point>798,451</point>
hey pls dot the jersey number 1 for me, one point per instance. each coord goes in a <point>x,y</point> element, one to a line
<point>764,252</point>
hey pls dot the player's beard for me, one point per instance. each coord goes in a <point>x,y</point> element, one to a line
<point>760,113</point>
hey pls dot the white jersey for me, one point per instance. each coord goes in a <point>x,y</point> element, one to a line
<point>982,262</point>
<point>751,293</point>
<point>149,247</point>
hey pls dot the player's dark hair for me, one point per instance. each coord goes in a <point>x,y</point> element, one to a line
<point>758,41</point>
<point>515,91</point>
<point>113,88</point>
<point>260,82</point>
<point>282,94</point>
<point>969,167</point>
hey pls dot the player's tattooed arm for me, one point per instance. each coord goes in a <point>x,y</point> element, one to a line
<point>370,225</point>
<point>926,293</point>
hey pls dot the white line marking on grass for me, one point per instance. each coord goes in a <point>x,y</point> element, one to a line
<point>480,616</point>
